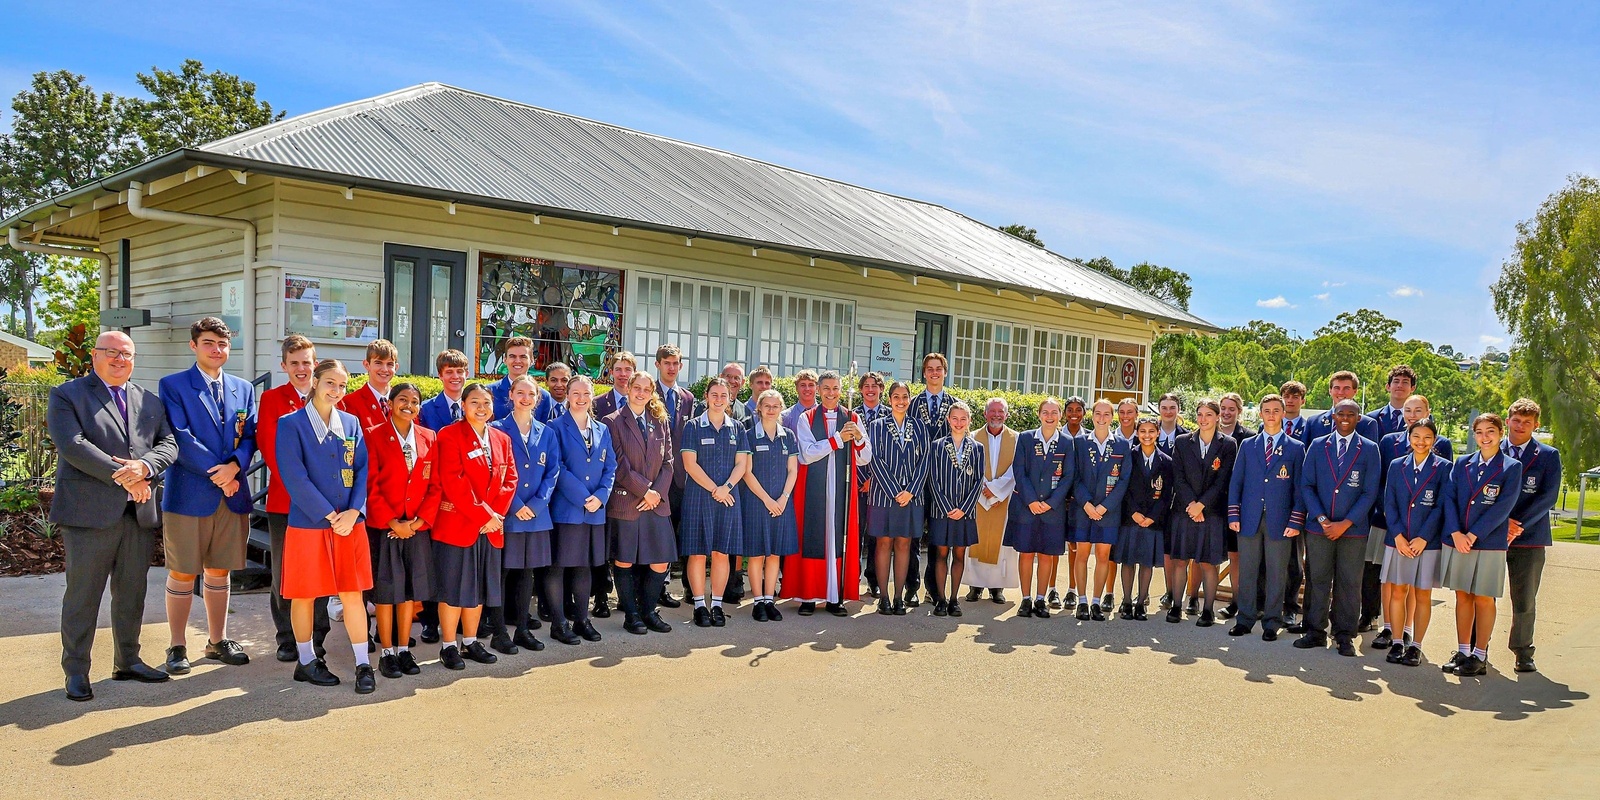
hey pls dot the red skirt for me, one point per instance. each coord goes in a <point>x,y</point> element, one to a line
<point>320,563</point>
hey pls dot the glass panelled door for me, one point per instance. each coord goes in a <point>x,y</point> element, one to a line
<point>426,298</point>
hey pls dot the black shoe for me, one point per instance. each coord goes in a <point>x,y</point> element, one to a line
<point>1347,648</point>
<point>316,673</point>
<point>1166,600</point>
<point>874,592</point>
<point>228,652</point>
<point>366,682</point>
<point>718,617</point>
<point>79,688</point>
<point>544,613</point>
<point>372,645</point>
<point>527,641</point>
<point>1206,620</point>
<point>1472,667</point>
<point>1397,651</point>
<point>1052,598</point>
<point>1239,629</point>
<point>912,600</point>
<point>1125,611</point>
<point>1228,611</point>
<point>178,660</point>
<point>899,609</point>
<point>974,594</point>
<point>389,667</point>
<point>1291,618</point>
<point>451,658</point>
<point>759,611</point>
<point>502,644</point>
<point>655,623</point>
<point>1194,606</point>
<point>407,663</point>
<point>1269,635</point>
<point>1311,641</point>
<point>1139,613</point>
<point>1413,656</point>
<point>1525,663</point>
<point>1041,609</point>
<point>940,609</point>
<point>668,601</point>
<point>773,614</point>
<point>1025,608</point>
<point>838,610</point>
<point>1296,627</point>
<point>954,608</point>
<point>1364,625</point>
<point>430,634</point>
<point>634,624</point>
<point>534,623</point>
<point>288,652</point>
<point>1107,601</point>
<point>602,608</point>
<point>1175,614</point>
<point>807,609</point>
<point>587,631</point>
<point>562,632</point>
<point>997,596</point>
<point>477,652</point>
<point>141,672</point>
<point>885,607</point>
<point>1383,640</point>
<point>702,617</point>
<point>1096,614</point>
<point>1455,661</point>
<point>1083,611</point>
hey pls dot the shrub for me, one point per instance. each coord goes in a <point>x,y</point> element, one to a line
<point>431,386</point>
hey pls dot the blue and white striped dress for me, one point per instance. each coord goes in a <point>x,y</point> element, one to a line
<point>764,534</point>
<point>707,526</point>
<point>899,464</point>
<point>955,474</point>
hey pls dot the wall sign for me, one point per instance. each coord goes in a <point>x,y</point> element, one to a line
<point>885,356</point>
<point>331,309</point>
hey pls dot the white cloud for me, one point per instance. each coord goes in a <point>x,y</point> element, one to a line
<point>1321,297</point>
<point>1406,291</point>
<point>1332,284</point>
<point>1276,302</point>
<point>1488,340</point>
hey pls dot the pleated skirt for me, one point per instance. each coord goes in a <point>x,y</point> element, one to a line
<point>946,532</point>
<point>467,576</point>
<point>649,539</point>
<point>1140,546</point>
<point>578,545</point>
<point>403,569</point>
<point>1199,541</point>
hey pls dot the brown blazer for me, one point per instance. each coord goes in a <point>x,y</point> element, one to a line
<point>641,465</point>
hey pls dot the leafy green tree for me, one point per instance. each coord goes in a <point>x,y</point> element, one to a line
<point>1548,297</point>
<point>71,288</point>
<point>192,106</point>
<point>1370,326</point>
<point>1024,233</point>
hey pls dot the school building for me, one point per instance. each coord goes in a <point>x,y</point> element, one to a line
<point>439,217</point>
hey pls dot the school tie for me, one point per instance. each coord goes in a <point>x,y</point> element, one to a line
<point>1515,452</point>
<point>672,404</point>
<point>216,398</point>
<point>455,412</point>
<point>119,394</point>
<point>410,454</point>
<point>560,409</point>
<point>644,430</point>
<point>383,405</point>
<point>1344,444</point>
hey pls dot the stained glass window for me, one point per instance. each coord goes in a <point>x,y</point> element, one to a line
<point>572,312</point>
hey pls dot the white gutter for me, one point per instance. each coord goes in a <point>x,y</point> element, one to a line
<point>137,209</point>
<point>16,242</point>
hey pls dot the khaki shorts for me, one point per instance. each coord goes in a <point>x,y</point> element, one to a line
<point>195,544</point>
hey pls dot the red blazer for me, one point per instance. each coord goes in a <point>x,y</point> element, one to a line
<point>275,403</point>
<point>363,405</point>
<point>470,488</point>
<point>392,492</point>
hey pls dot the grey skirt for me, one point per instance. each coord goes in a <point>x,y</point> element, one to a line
<point>1421,572</point>
<point>526,550</point>
<point>402,569</point>
<point>1375,546</point>
<point>1480,572</point>
<point>577,545</point>
<point>467,577</point>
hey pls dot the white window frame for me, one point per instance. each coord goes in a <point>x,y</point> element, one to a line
<point>794,337</point>
<point>991,354</point>
<point>695,315</point>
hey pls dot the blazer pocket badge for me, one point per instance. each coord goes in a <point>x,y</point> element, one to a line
<point>1216,463</point>
<point>1531,485</point>
<point>349,453</point>
<point>1283,472</point>
<point>541,459</point>
<point>1491,493</point>
<point>348,476</point>
<point>238,428</point>
<point>1355,478</point>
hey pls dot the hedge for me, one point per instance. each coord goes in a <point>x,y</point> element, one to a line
<point>1024,414</point>
<point>431,386</point>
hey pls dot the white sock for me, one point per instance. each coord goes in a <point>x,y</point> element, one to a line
<point>1038,598</point>
<point>1406,634</point>
<point>1466,649</point>
<point>388,651</point>
<point>361,653</point>
<point>1480,653</point>
<point>699,602</point>
<point>1389,628</point>
<point>308,653</point>
<point>716,602</point>
<point>403,649</point>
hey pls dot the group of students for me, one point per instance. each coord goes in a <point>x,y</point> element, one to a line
<point>460,511</point>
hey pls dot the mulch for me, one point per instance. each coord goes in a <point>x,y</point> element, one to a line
<point>24,552</point>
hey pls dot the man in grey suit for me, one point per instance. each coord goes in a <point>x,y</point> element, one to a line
<point>114,443</point>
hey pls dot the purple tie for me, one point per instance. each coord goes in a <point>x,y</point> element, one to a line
<point>119,394</point>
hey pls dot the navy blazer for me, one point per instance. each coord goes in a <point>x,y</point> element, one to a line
<point>1041,476</point>
<point>1296,426</point>
<point>204,442</point>
<point>675,423</point>
<point>1541,487</point>
<point>1241,432</point>
<point>321,475</point>
<point>1203,480</point>
<point>1341,490</point>
<point>1480,504</point>
<point>936,425</point>
<point>1102,481</point>
<point>899,460</point>
<point>1322,425</point>
<point>1391,447</point>
<point>543,410</point>
<point>1388,418</point>
<point>538,467</point>
<point>586,470</point>
<point>435,413</point>
<point>1416,503</point>
<point>1267,486</point>
<point>1149,490</point>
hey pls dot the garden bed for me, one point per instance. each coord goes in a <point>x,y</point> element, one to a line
<point>31,545</point>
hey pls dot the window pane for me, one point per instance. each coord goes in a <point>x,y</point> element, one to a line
<point>402,314</point>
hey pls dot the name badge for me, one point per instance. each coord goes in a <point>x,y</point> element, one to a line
<point>708,441</point>
<point>476,453</point>
<point>761,448</point>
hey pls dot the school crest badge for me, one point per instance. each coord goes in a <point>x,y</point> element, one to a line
<point>1355,477</point>
<point>1531,484</point>
<point>1216,464</point>
<point>1116,470</point>
<point>1155,489</point>
<point>348,476</point>
<point>541,459</point>
<point>238,427</point>
<point>1491,493</point>
<point>349,453</point>
<point>426,469</point>
<point>1427,497</point>
<point>1283,472</point>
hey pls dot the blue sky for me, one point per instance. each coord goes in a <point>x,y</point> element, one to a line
<point>1295,160</point>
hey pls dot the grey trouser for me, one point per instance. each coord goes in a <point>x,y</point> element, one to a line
<point>119,555</point>
<point>1524,569</point>
<point>1334,567</point>
<point>1253,551</point>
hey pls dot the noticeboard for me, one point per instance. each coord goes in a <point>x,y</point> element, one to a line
<point>332,309</point>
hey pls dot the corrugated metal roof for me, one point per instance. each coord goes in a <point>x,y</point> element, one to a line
<point>440,141</point>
